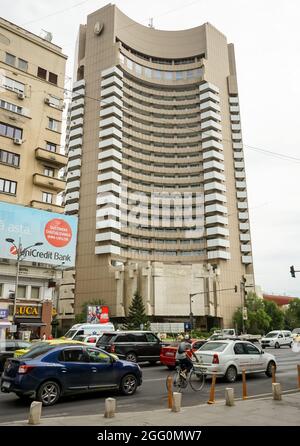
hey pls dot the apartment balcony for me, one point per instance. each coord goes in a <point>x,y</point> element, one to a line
<point>76,122</point>
<point>110,153</point>
<point>214,208</point>
<point>237,145</point>
<point>209,96</point>
<point>240,184</point>
<point>217,230</point>
<point>49,182</point>
<point>72,208</point>
<point>71,196</point>
<point>208,134</point>
<point>236,127</point>
<point>218,255</point>
<point>244,226</point>
<point>105,236</point>
<point>80,92</point>
<point>212,144</point>
<point>112,90</point>
<point>245,237</point>
<point>76,103</point>
<point>76,132</point>
<point>239,175</point>
<point>56,159</point>
<point>214,175</point>
<point>247,259</point>
<point>108,249</point>
<point>236,136</point>
<point>111,121</point>
<point>111,100</point>
<point>74,164</point>
<point>113,71</point>
<point>47,206</point>
<point>75,153</point>
<point>246,248</point>
<point>112,80</point>
<point>243,216</point>
<point>242,204</point>
<point>238,155</point>
<point>73,174</point>
<point>235,118</point>
<point>239,165</point>
<point>210,105</point>
<point>77,142</point>
<point>77,113</point>
<point>111,111</point>
<point>234,109</point>
<point>215,197</point>
<point>213,154</point>
<point>233,100</point>
<point>210,115</point>
<point>211,125</point>
<point>216,242</point>
<point>111,165</point>
<point>208,86</point>
<point>241,194</point>
<point>214,186</point>
<point>73,185</point>
<point>110,132</point>
<point>215,219</point>
<point>213,165</point>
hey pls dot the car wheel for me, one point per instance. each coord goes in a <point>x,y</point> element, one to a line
<point>131,356</point>
<point>171,367</point>
<point>269,369</point>
<point>128,385</point>
<point>48,393</point>
<point>231,374</point>
<point>277,345</point>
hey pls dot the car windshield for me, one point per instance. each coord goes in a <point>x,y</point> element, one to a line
<point>272,335</point>
<point>70,334</point>
<point>37,350</point>
<point>213,346</point>
<point>79,338</point>
<point>106,338</point>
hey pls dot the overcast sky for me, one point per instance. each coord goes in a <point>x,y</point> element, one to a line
<point>267,44</point>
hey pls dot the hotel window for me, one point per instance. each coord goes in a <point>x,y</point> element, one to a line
<point>10,131</point>
<point>53,78</point>
<point>8,187</point>
<point>168,75</point>
<point>10,59</point>
<point>122,58</point>
<point>180,75</point>
<point>22,64</point>
<point>53,125</point>
<point>49,172</point>
<point>42,73</point>
<point>157,74</point>
<point>12,159</point>
<point>47,198</point>
<point>138,69</point>
<point>129,64</point>
<point>51,146</point>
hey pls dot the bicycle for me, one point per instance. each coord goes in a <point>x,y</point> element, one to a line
<point>195,378</point>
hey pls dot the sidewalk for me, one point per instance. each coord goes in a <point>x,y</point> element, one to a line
<point>255,412</point>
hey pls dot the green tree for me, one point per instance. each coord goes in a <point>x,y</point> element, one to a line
<point>258,321</point>
<point>276,315</point>
<point>292,315</point>
<point>137,314</point>
<point>81,318</point>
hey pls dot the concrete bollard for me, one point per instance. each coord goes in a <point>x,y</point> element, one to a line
<point>245,396</point>
<point>176,406</point>
<point>110,408</point>
<point>229,396</point>
<point>35,413</point>
<point>276,390</point>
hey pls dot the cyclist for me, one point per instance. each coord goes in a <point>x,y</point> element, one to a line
<point>185,362</point>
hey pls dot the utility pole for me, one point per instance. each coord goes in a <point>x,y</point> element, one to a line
<point>243,281</point>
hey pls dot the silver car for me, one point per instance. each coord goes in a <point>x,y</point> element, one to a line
<point>227,358</point>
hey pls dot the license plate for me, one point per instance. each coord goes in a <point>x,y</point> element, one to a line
<point>5,385</point>
<point>169,354</point>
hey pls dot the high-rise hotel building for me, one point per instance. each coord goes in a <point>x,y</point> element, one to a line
<point>156,171</point>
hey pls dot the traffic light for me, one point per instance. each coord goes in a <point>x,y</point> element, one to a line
<point>292,271</point>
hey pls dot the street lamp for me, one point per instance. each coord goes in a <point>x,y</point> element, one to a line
<point>21,253</point>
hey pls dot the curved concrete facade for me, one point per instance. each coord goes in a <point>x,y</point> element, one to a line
<point>156,170</point>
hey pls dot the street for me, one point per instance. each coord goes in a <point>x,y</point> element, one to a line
<point>152,394</point>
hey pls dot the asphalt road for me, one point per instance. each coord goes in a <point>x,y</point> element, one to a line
<point>152,394</point>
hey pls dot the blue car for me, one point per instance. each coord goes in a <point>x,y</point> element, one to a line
<point>47,372</point>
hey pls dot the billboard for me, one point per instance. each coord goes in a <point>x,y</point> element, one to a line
<point>97,314</point>
<point>57,232</point>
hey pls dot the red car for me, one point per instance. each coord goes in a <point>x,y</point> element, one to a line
<point>168,353</point>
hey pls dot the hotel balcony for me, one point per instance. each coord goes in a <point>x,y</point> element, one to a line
<point>47,206</point>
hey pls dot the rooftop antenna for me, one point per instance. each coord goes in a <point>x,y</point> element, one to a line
<point>46,35</point>
<point>150,24</point>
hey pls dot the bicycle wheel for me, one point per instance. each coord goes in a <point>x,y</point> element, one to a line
<point>197,380</point>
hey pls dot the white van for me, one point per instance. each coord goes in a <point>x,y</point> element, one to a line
<point>277,339</point>
<point>89,329</point>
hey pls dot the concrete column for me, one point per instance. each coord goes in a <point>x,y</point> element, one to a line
<point>110,408</point>
<point>28,292</point>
